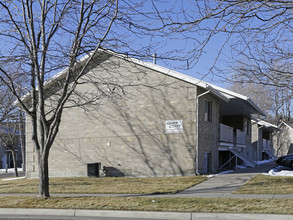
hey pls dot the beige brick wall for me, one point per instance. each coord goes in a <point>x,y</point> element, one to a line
<point>208,134</point>
<point>125,129</point>
<point>248,132</point>
<point>256,151</point>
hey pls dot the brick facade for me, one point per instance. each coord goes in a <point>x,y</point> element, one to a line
<point>124,130</point>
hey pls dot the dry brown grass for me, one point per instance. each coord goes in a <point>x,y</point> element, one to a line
<point>113,185</point>
<point>272,206</point>
<point>262,184</point>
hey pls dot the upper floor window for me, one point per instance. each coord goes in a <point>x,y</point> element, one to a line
<point>247,127</point>
<point>208,111</point>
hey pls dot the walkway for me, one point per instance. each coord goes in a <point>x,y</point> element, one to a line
<point>223,186</point>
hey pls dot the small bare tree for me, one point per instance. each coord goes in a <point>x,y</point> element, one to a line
<point>9,125</point>
<point>10,138</point>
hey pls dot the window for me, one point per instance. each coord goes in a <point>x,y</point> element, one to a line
<point>247,127</point>
<point>208,111</point>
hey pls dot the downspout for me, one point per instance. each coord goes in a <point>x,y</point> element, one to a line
<point>197,119</point>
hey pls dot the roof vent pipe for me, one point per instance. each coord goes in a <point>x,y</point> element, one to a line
<point>154,58</point>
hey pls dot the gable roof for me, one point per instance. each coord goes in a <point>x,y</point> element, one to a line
<point>287,124</point>
<point>224,94</point>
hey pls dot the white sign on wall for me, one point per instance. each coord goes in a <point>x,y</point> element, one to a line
<point>174,126</point>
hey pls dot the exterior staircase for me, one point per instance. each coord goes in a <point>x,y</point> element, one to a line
<point>248,162</point>
<point>270,154</point>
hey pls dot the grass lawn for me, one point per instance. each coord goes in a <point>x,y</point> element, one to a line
<point>262,184</point>
<point>125,185</point>
<point>272,206</point>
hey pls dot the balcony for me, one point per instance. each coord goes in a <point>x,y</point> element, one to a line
<point>230,138</point>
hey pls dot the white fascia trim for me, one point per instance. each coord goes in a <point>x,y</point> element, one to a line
<point>264,123</point>
<point>218,91</point>
<point>54,78</point>
<point>165,71</point>
<point>221,92</point>
<point>218,94</point>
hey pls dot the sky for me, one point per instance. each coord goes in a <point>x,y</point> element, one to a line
<point>181,45</point>
<point>156,42</point>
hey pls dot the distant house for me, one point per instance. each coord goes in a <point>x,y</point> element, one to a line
<point>283,140</point>
<point>13,136</point>
<point>147,120</point>
<point>262,140</point>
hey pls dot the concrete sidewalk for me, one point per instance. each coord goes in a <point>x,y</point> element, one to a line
<point>76,214</point>
<point>223,186</point>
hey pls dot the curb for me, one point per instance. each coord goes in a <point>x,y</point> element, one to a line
<point>141,214</point>
<point>135,214</point>
<point>43,212</point>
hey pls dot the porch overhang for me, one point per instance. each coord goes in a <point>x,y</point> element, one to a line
<point>218,94</point>
<point>238,106</point>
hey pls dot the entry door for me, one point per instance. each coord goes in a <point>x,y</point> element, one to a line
<point>4,161</point>
<point>207,162</point>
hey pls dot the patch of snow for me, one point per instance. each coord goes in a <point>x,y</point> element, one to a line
<point>10,170</point>
<point>224,172</point>
<point>241,167</point>
<point>15,178</point>
<point>280,171</point>
<point>263,161</point>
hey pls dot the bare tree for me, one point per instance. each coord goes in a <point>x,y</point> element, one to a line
<point>274,101</point>
<point>10,138</point>
<point>46,37</point>
<point>283,103</point>
<point>243,41</point>
<point>255,35</point>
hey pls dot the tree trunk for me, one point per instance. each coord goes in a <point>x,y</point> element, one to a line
<point>14,163</point>
<point>44,177</point>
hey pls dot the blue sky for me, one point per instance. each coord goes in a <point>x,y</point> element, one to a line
<point>163,45</point>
